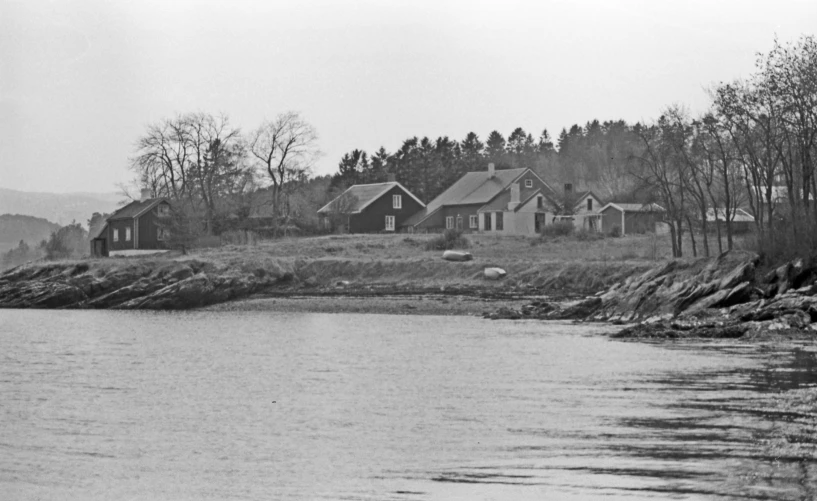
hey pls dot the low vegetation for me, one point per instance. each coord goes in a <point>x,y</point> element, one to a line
<point>449,239</point>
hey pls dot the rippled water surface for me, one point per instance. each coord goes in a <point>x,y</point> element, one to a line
<point>257,406</point>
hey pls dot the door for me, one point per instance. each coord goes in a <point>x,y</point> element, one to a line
<point>459,223</point>
<point>538,222</point>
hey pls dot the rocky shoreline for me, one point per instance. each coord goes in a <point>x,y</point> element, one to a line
<point>725,297</point>
<point>172,285</point>
<point>184,284</point>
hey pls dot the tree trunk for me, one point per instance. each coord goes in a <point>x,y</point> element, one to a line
<point>692,237</point>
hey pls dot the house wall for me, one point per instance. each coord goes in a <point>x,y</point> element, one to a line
<point>373,217</point>
<point>639,222</point>
<point>121,225</point>
<point>581,206</point>
<point>437,221</point>
<point>464,211</point>
<point>148,229</point>
<point>519,222</point>
<point>609,218</point>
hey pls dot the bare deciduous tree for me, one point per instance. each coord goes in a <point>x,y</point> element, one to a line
<point>285,148</point>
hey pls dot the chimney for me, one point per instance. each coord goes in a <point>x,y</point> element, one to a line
<point>514,203</point>
<point>491,169</point>
<point>145,194</point>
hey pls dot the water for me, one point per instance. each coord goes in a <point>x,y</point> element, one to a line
<point>101,405</point>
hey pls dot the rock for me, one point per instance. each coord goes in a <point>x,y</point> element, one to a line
<point>580,310</point>
<point>742,273</point>
<point>34,294</point>
<point>172,286</point>
<point>739,294</point>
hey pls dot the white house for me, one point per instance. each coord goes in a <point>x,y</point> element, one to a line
<point>528,212</point>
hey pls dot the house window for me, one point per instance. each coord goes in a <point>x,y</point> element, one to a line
<point>127,234</point>
<point>528,183</point>
<point>472,221</point>
<point>116,235</point>
<point>540,202</point>
<point>389,223</point>
<point>162,234</point>
<point>397,202</point>
<point>499,222</point>
<point>449,222</point>
<point>589,204</point>
<point>486,220</point>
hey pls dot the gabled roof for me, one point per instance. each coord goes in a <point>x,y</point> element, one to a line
<point>364,195</point>
<point>624,207</point>
<point>583,195</point>
<point>102,229</point>
<point>473,188</point>
<point>136,208</point>
<point>500,202</point>
<point>532,195</point>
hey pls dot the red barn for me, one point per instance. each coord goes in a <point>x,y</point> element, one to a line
<point>370,208</point>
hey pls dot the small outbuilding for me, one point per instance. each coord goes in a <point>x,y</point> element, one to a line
<point>631,218</point>
<point>141,227</point>
<point>742,221</point>
<point>370,208</point>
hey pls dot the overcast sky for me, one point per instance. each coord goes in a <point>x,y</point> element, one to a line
<point>80,80</point>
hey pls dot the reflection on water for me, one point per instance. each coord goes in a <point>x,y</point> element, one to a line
<point>225,405</point>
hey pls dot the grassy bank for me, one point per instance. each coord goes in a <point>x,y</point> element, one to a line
<point>402,261</point>
<point>349,265</point>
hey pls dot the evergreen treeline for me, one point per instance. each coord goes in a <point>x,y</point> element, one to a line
<point>594,156</point>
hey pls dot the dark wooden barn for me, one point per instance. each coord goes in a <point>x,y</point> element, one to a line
<point>370,208</point>
<point>139,227</point>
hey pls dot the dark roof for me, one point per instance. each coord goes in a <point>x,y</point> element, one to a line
<point>365,194</point>
<point>100,231</point>
<point>473,188</point>
<point>136,208</point>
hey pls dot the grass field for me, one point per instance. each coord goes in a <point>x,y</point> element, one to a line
<point>383,262</point>
<point>484,247</point>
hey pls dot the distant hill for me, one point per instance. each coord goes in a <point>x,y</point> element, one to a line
<point>62,208</point>
<point>14,227</point>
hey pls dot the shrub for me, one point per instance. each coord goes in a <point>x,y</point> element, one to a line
<point>560,229</point>
<point>450,239</point>
<point>588,235</point>
<point>615,231</point>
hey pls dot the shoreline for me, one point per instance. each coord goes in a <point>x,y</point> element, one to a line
<point>389,304</point>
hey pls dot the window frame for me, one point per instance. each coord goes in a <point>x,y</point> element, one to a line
<point>589,204</point>
<point>116,234</point>
<point>540,202</point>
<point>396,201</point>
<point>390,219</point>
<point>449,222</point>
<point>486,221</point>
<point>128,233</point>
<point>528,183</point>
<point>473,221</point>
